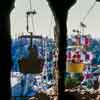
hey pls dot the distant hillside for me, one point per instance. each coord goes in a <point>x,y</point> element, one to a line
<point>19,49</point>
<point>94,48</point>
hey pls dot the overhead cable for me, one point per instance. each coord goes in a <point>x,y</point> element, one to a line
<point>88,12</point>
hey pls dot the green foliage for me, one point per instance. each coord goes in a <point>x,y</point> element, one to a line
<point>71,82</point>
<point>78,76</point>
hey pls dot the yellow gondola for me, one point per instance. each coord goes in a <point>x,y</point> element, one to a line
<point>75,67</point>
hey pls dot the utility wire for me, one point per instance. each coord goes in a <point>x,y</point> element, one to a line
<point>82,25</point>
<point>30,3</point>
<point>88,12</point>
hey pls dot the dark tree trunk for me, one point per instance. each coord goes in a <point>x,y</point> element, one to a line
<point>5,49</point>
<point>5,57</point>
<point>62,35</point>
<point>60,11</point>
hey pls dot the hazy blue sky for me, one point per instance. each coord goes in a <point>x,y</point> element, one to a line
<point>44,22</point>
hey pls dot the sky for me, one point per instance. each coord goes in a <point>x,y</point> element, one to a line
<point>44,22</point>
